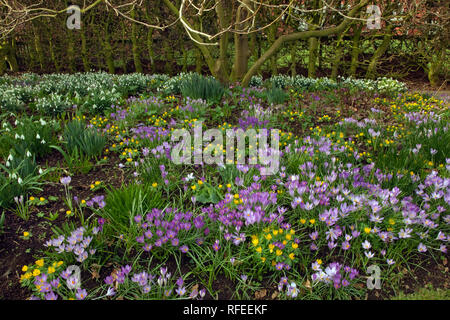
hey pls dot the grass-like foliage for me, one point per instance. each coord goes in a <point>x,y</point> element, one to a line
<point>88,141</point>
<point>205,88</point>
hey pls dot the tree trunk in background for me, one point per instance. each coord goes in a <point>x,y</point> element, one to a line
<point>198,61</point>
<point>313,50</point>
<point>168,52</point>
<point>185,58</point>
<point>52,54</point>
<point>150,49</point>
<point>338,55</point>
<point>38,46</point>
<point>2,58</point>
<point>372,69</point>
<point>273,60</point>
<point>355,50</point>
<point>135,44</point>
<point>84,53</point>
<point>294,59</point>
<point>435,67</point>
<point>8,54</point>
<point>71,51</point>
<point>107,48</point>
<point>221,67</point>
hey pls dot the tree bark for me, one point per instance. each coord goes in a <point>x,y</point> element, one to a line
<point>135,44</point>
<point>355,50</point>
<point>372,69</point>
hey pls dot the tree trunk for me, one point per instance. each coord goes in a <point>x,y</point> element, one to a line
<point>38,47</point>
<point>273,60</point>
<point>221,68</point>
<point>84,53</point>
<point>338,55</point>
<point>293,59</point>
<point>107,49</point>
<point>355,50</point>
<point>313,49</point>
<point>372,69</point>
<point>135,44</point>
<point>436,67</point>
<point>150,49</point>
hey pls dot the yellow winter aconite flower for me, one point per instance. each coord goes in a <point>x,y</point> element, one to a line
<point>294,245</point>
<point>367,230</point>
<point>278,252</point>
<point>26,234</point>
<point>259,249</point>
<point>51,270</point>
<point>36,272</point>
<point>24,268</point>
<point>40,262</point>
<point>154,184</point>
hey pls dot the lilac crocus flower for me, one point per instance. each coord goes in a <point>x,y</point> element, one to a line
<point>66,180</point>
<point>81,294</point>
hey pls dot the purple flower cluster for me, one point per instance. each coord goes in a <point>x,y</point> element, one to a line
<point>161,227</point>
<point>77,243</point>
<point>335,273</point>
<point>97,200</point>
<point>255,208</point>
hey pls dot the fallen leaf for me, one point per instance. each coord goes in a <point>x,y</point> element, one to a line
<point>308,284</point>
<point>260,294</point>
<point>275,294</point>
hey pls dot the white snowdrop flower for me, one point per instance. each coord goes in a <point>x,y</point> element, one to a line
<point>43,141</point>
<point>42,121</point>
<point>28,153</point>
<point>22,137</point>
<point>38,136</point>
<point>10,157</point>
<point>16,136</point>
<point>7,164</point>
<point>41,171</point>
<point>19,180</point>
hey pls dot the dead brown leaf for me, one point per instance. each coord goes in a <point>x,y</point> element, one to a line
<point>260,294</point>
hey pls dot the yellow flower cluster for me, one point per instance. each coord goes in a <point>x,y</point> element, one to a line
<point>39,268</point>
<point>277,246</point>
